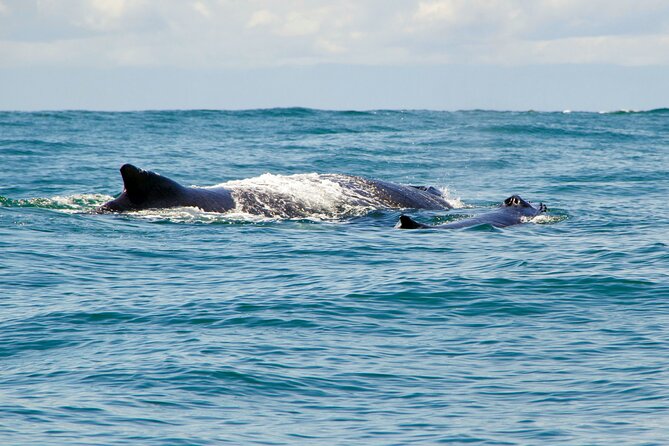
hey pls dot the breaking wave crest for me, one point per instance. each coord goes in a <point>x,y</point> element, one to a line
<point>654,111</point>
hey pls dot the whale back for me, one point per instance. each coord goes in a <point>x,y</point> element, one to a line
<point>328,193</point>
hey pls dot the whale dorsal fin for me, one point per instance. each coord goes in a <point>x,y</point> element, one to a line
<point>143,185</point>
<point>406,222</point>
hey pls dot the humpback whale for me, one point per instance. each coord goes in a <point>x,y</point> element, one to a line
<point>512,211</point>
<point>143,189</point>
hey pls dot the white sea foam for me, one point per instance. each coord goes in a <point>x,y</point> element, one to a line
<point>456,203</point>
<point>196,215</point>
<point>542,219</point>
<point>78,201</point>
<point>308,194</point>
<point>620,111</point>
<point>68,204</point>
<point>311,195</point>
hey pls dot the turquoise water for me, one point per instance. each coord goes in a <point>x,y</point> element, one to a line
<point>181,327</point>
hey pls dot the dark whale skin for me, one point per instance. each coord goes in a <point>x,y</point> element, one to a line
<point>143,189</point>
<point>512,211</point>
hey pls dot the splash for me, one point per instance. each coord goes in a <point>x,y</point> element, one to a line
<point>544,219</point>
<point>311,195</point>
<point>456,203</point>
<point>193,215</point>
<point>302,195</point>
<point>71,204</point>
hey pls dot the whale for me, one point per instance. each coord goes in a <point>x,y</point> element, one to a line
<point>144,189</point>
<point>514,210</point>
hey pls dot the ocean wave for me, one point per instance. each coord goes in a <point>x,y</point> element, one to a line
<point>27,144</point>
<point>168,327</point>
<point>654,111</point>
<point>73,203</point>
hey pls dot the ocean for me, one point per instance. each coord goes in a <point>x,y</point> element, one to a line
<point>182,327</point>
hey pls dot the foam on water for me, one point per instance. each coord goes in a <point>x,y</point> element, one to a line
<point>71,203</point>
<point>545,218</point>
<point>319,196</point>
<point>455,202</point>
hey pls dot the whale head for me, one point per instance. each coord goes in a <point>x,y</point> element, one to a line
<point>516,201</point>
<point>522,206</point>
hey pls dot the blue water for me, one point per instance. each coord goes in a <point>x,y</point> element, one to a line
<point>182,327</point>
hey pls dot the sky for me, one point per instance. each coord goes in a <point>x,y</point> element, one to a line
<point>339,54</point>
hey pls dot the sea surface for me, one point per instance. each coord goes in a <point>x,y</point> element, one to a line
<point>181,327</point>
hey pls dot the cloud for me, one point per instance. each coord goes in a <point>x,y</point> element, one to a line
<point>202,8</point>
<point>262,18</point>
<point>254,33</point>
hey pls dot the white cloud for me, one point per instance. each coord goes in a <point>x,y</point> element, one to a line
<point>112,8</point>
<point>636,50</point>
<point>104,14</point>
<point>202,8</point>
<point>435,11</point>
<point>218,33</point>
<point>300,24</point>
<point>261,18</point>
<point>330,47</point>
